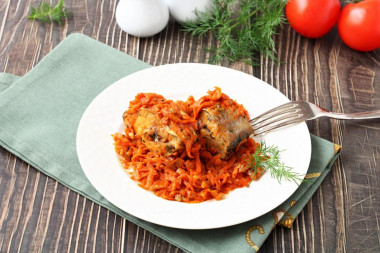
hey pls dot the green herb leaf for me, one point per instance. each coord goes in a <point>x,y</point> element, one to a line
<point>267,158</point>
<point>243,29</point>
<point>47,13</point>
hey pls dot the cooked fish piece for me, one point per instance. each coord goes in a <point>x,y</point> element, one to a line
<point>223,129</point>
<point>156,136</point>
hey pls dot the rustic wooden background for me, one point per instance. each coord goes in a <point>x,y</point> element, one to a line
<point>39,214</point>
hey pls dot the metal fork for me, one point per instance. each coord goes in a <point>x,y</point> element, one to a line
<point>299,111</point>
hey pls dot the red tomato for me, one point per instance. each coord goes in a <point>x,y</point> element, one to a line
<point>359,25</point>
<point>312,18</point>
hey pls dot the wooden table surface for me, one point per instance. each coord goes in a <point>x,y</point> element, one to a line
<point>39,214</point>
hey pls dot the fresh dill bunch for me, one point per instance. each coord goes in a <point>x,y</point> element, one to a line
<point>242,29</point>
<point>267,158</point>
<point>45,12</point>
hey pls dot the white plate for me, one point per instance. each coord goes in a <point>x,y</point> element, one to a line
<point>103,117</point>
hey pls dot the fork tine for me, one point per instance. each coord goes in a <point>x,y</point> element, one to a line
<point>283,115</point>
<point>273,112</point>
<point>280,117</point>
<point>287,122</point>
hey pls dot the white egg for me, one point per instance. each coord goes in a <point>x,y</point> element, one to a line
<point>183,10</point>
<point>142,18</point>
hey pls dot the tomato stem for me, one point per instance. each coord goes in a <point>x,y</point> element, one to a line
<point>353,1</point>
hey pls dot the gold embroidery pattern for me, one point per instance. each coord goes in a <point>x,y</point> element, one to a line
<point>292,203</point>
<point>312,175</point>
<point>248,235</point>
<point>337,148</point>
<point>288,222</point>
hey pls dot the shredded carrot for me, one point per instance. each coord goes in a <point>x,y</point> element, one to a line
<point>195,174</point>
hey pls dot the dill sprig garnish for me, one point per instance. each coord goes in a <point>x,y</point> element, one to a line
<point>45,12</point>
<point>267,158</point>
<point>243,29</point>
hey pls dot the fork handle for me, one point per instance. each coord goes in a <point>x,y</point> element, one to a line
<point>359,115</point>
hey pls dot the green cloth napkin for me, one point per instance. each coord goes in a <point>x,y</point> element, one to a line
<point>40,113</point>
